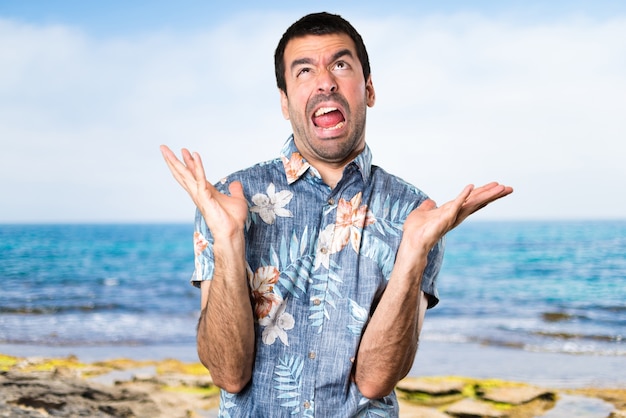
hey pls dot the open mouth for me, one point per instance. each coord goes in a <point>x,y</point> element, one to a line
<point>328,118</point>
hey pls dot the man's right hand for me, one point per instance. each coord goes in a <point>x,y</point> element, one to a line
<point>225,338</point>
<point>225,215</point>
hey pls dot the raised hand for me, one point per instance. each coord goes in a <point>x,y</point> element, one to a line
<point>481,197</point>
<point>429,223</point>
<point>224,215</point>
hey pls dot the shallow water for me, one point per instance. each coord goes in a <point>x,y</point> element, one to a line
<point>570,406</point>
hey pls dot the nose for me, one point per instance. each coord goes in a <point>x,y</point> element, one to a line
<point>326,82</point>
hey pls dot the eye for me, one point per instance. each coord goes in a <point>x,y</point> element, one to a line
<point>303,71</point>
<point>341,65</point>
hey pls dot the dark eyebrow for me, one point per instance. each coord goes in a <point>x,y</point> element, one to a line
<point>342,53</point>
<point>338,54</point>
<point>301,61</point>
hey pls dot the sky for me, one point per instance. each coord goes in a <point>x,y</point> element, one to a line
<point>531,94</point>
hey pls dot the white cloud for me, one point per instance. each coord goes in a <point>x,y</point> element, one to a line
<point>84,117</point>
<point>537,106</point>
<point>464,98</point>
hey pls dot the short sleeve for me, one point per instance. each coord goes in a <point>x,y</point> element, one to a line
<point>431,272</point>
<point>204,262</point>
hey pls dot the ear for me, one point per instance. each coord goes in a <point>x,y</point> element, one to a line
<point>284,104</point>
<point>369,91</point>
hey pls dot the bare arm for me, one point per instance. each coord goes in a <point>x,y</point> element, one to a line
<point>390,341</point>
<point>225,338</point>
<point>226,329</point>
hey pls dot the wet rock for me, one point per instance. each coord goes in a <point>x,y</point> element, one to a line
<point>434,387</point>
<point>415,411</point>
<point>471,408</point>
<point>516,395</point>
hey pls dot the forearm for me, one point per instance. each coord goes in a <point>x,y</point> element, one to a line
<point>226,329</point>
<point>389,343</point>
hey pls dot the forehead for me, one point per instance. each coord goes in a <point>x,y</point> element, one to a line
<point>316,46</point>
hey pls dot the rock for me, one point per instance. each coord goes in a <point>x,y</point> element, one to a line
<point>143,377</point>
<point>46,393</point>
<point>434,387</point>
<point>618,414</point>
<point>185,380</point>
<point>470,408</point>
<point>415,411</point>
<point>516,395</point>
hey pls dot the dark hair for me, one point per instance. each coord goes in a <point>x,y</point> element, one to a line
<point>318,24</point>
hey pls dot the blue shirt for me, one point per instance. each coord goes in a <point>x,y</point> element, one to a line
<point>318,261</point>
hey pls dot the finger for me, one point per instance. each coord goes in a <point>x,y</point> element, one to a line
<point>488,186</point>
<point>507,191</point>
<point>185,173</point>
<point>465,193</point>
<point>165,151</point>
<point>427,204</point>
<point>484,196</point>
<point>188,159</point>
<point>193,166</point>
<point>493,192</point>
<point>496,188</point>
<point>236,189</point>
<point>198,170</point>
<point>486,192</point>
<point>168,155</point>
<point>454,208</point>
<point>174,164</point>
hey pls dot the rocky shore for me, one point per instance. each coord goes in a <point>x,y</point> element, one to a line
<point>66,387</point>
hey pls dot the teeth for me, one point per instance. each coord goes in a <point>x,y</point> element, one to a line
<point>323,110</point>
<point>337,126</point>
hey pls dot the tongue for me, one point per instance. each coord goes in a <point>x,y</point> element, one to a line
<point>328,120</point>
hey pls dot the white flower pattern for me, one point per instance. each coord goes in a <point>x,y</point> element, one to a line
<point>272,204</point>
<point>276,324</point>
<point>324,247</point>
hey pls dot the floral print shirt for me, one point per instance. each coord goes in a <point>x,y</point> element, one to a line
<point>318,262</point>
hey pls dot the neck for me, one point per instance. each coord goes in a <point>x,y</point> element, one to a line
<point>330,175</point>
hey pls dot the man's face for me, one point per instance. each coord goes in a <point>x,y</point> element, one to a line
<point>326,98</point>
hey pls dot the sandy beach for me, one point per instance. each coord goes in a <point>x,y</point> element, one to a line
<point>456,380</point>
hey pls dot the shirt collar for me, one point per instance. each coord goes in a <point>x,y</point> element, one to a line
<point>295,165</point>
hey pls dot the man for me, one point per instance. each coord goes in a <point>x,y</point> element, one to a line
<point>316,268</point>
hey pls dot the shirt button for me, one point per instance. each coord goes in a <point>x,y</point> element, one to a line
<point>306,404</point>
<point>323,250</point>
<point>331,202</point>
<point>312,355</point>
<point>316,302</point>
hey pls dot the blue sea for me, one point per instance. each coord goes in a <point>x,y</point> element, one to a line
<point>528,287</point>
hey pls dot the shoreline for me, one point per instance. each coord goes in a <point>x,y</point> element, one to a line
<point>434,358</point>
<point>557,370</point>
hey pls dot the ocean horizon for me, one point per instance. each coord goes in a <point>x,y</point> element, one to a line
<point>517,287</point>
